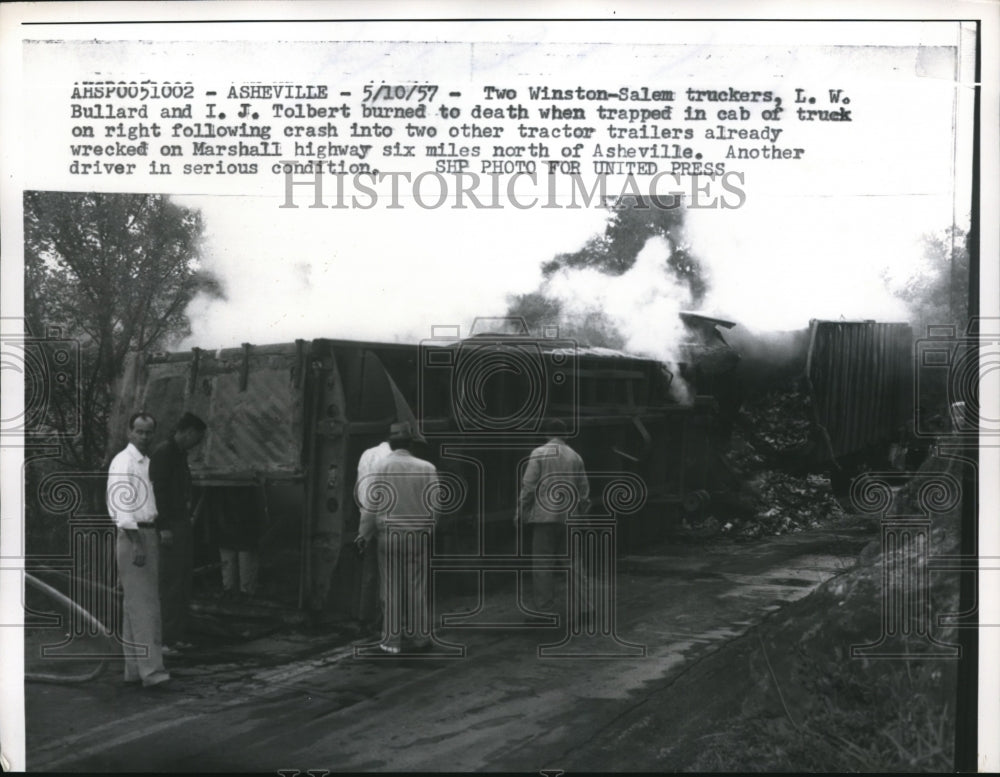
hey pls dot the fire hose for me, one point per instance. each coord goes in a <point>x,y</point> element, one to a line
<point>94,623</point>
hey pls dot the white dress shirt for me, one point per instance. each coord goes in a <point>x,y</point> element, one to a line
<point>369,460</point>
<point>130,494</point>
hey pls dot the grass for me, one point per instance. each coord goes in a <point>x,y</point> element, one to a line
<point>845,715</point>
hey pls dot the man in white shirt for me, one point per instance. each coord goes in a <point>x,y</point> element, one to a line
<point>132,506</point>
<point>410,481</point>
<point>370,609</point>
<point>558,470</point>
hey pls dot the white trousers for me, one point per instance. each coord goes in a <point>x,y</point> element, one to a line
<point>141,627</point>
<point>239,569</point>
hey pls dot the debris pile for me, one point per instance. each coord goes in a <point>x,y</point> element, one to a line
<point>789,503</point>
<point>784,486</point>
<point>776,427</point>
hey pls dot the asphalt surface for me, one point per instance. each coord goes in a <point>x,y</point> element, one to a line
<point>303,701</point>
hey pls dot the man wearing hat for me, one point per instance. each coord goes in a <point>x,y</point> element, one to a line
<point>399,487</point>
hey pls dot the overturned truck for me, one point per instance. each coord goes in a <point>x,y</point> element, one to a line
<point>288,423</point>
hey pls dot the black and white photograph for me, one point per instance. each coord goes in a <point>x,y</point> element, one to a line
<point>487,390</point>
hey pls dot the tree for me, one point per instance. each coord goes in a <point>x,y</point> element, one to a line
<point>114,272</point>
<point>535,308</point>
<point>588,328</point>
<point>631,223</point>
<point>938,292</point>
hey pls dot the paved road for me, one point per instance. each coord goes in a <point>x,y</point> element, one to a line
<point>293,701</point>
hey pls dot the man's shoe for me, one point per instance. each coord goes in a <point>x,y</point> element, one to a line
<point>160,685</point>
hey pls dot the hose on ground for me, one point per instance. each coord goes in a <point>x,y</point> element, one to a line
<point>52,677</point>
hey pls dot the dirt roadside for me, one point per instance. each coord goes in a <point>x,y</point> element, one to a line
<point>297,699</point>
<point>821,684</point>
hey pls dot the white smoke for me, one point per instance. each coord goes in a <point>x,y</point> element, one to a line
<point>380,275</point>
<point>392,276</point>
<point>774,265</point>
<point>642,304</point>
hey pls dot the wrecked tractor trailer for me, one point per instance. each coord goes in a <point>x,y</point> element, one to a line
<point>287,424</point>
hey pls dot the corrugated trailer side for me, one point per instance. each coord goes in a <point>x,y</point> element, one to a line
<point>254,399</point>
<point>860,378</point>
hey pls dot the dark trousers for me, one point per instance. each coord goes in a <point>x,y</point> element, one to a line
<point>547,539</point>
<point>176,573</point>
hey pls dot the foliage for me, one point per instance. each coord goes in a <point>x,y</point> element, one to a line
<point>938,293</point>
<point>591,328</point>
<point>114,273</point>
<point>897,720</point>
<point>535,308</point>
<point>630,224</point>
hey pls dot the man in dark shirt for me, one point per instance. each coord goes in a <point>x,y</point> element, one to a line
<point>171,478</point>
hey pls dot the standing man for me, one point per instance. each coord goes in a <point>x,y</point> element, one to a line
<point>370,609</point>
<point>132,506</point>
<point>168,470</point>
<point>409,482</point>
<point>558,471</point>
<point>239,527</point>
